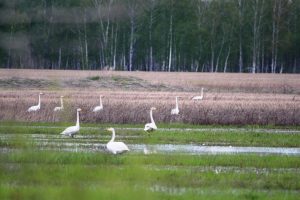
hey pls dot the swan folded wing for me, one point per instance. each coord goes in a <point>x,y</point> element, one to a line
<point>117,147</point>
<point>174,111</point>
<point>197,98</point>
<point>70,131</point>
<point>97,108</point>
<point>149,127</point>
<point>33,108</point>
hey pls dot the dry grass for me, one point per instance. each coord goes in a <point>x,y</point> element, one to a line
<point>154,81</point>
<point>133,107</point>
<point>229,98</point>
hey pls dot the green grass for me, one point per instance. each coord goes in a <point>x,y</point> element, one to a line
<point>27,172</point>
<point>208,136</point>
<point>46,175</point>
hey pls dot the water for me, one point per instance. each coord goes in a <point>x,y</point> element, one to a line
<point>197,149</point>
<point>92,143</point>
<point>256,130</point>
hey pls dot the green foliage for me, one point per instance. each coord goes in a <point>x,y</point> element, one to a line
<point>96,34</point>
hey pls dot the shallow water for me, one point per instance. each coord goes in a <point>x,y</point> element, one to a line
<point>93,143</point>
<point>256,130</point>
<point>197,149</point>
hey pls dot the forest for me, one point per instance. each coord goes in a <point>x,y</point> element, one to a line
<point>253,36</point>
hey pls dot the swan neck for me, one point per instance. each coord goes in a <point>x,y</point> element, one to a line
<point>39,104</point>
<point>176,102</point>
<point>77,122</point>
<point>113,136</point>
<point>151,116</point>
<point>202,92</point>
<point>61,102</point>
<point>100,101</point>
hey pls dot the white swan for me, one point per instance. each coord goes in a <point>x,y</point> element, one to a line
<point>72,130</point>
<point>61,105</point>
<point>37,107</point>
<point>100,107</point>
<point>115,147</point>
<point>199,97</point>
<point>175,111</point>
<point>151,126</point>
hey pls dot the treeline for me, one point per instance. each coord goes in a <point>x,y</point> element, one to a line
<point>152,35</point>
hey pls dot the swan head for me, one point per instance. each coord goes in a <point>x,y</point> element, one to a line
<point>152,108</point>
<point>110,129</point>
<point>41,93</point>
<point>61,96</point>
<point>78,109</point>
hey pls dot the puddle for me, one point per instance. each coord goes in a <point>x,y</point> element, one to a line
<point>256,130</point>
<point>195,149</point>
<point>94,143</point>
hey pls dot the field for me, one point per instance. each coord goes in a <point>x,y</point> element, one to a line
<point>240,142</point>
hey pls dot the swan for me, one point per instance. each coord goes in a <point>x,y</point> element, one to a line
<point>61,105</point>
<point>175,111</point>
<point>151,126</point>
<point>100,107</point>
<point>72,130</point>
<point>37,107</point>
<point>115,147</point>
<point>199,97</point>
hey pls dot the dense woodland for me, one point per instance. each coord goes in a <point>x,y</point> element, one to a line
<point>153,35</point>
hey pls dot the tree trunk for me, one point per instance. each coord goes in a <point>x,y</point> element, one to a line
<point>85,43</point>
<point>132,32</point>
<point>226,60</point>
<point>171,42</point>
<point>220,52</point>
<point>240,37</point>
<point>150,37</point>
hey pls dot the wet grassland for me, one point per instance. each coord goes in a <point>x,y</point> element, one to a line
<point>38,163</point>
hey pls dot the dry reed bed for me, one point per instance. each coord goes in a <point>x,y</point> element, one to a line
<point>133,107</point>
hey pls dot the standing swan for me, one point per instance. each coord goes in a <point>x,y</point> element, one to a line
<point>175,111</point>
<point>37,107</point>
<point>151,126</point>
<point>61,105</point>
<point>100,107</point>
<point>199,97</point>
<point>115,147</point>
<point>72,130</point>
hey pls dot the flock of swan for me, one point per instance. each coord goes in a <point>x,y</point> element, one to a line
<point>112,146</point>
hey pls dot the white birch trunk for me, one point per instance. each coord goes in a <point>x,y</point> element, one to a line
<point>240,38</point>
<point>131,42</point>
<point>226,60</point>
<point>255,9</point>
<point>150,37</point>
<point>212,58</point>
<point>85,42</point>
<point>171,42</point>
<point>273,39</point>
<point>115,48</point>
<point>220,52</point>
